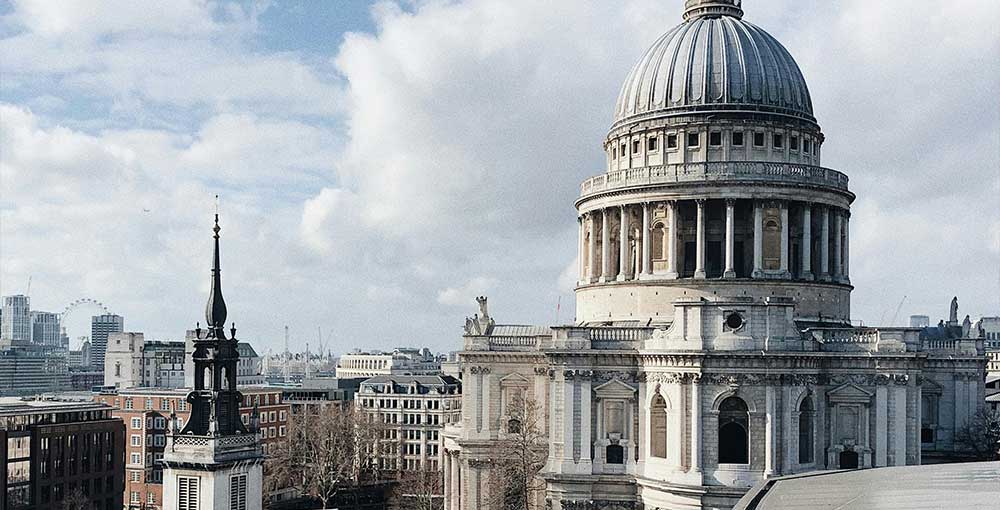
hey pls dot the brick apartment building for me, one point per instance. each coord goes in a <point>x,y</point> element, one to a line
<point>146,414</point>
<point>58,450</point>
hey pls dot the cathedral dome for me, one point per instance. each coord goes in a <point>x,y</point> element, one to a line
<point>714,62</point>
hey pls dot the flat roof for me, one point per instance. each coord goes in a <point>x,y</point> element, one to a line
<point>963,486</point>
<point>16,406</point>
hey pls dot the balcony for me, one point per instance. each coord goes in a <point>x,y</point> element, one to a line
<point>715,171</point>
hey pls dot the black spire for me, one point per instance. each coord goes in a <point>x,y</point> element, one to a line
<point>215,310</point>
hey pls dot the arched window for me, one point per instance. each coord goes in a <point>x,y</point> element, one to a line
<point>658,427</point>
<point>734,432</point>
<point>806,431</point>
<point>657,244</point>
<point>514,426</point>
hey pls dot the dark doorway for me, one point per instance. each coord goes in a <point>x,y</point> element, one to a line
<point>616,454</point>
<point>734,440</point>
<point>714,263</point>
<point>848,460</point>
<point>690,258</point>
<point>740,261</point>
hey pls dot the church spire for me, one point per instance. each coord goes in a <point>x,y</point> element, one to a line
<point>215,310</point>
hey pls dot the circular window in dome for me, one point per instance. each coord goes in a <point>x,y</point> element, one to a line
<point>734,321</point>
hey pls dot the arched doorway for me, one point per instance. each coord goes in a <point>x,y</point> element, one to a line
<point>806,431</point>
<point>734,431</point>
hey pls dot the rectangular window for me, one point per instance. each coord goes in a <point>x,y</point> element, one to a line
<point>149,401</point>
<point>623,153</point>
<point>794,143</point>
<point>671,141</point>
<point>737,138</point>
<point>651,143</point>
<point>636,146</point>
<point>135,458</point>
<point>128,403</point>
<point>134,496</point>
<point>715,138</point>
<point>614,153</point>
<point>807,146</point>
<point>187,493</point>
<point>778,141</point>
<point>150,498</point>
<point>758,139</point>
<point>136,440</point>
<point>238,492</point>
<point>693,139</point>
<point>282,416</point>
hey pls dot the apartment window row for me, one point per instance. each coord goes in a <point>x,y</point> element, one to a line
<point>91,487</point>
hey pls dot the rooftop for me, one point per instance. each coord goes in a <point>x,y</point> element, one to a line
<point>965,486</point>
<point>13,406</point>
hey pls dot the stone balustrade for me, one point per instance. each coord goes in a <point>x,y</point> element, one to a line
<point>512,343</point>
<point>737,171</point>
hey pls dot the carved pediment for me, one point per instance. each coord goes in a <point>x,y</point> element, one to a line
<point>930,386</point>
<point>615,389</point>
<point>513,379</point>
<point>849,394</point>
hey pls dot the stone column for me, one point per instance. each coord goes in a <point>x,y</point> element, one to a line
<point>730,238</point>
<point>806,242</point>
<point>647,264</point>
<point>899,423</point>
<point>605,245</point>
<point>837,245</point>
<point>699,269</point>
<point>695,424</point>
<point>592,249</point>
<point>582,223</point>
<point>824,245</point>
<point>784,240</point>
<point>769,431</point>
<point>672,233</point>
<point>623,251</point>
<point>446,470</point>
<point>846,273</point>
<point>881,425</point>
<point>758,239</point>
<point>463,503</point>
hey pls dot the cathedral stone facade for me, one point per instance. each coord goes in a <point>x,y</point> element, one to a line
<point>713,346</point>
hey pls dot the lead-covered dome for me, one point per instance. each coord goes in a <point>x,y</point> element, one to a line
<point>714,61</point>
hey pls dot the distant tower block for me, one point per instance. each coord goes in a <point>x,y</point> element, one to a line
<point>920,321</point>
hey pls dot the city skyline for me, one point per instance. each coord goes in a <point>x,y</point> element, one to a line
<point>353,195</point>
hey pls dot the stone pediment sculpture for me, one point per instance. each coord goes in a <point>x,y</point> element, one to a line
<point>481,323</point>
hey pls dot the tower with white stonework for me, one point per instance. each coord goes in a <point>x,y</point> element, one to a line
<point>214,461</point>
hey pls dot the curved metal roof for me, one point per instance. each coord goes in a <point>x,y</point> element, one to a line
<point>713,63</point>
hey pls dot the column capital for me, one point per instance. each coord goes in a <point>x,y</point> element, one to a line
<point>730,202</point>
<point>700,201</point>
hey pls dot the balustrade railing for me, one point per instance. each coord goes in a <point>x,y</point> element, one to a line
<point>619,334</point>
<point>512,342</point>
<point>715,171</point>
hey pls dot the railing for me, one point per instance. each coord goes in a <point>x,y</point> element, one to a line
<point>715,171</point>
<point>940,345</point>
<point>619,334</point>
<point>845,336</point>
<point>500,343</point>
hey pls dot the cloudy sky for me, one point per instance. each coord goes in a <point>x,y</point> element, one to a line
<point>380,164</point>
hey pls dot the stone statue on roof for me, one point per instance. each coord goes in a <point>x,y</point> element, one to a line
<point>953,314</point>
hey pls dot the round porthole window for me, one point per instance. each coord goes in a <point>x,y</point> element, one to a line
<point>734,321</point>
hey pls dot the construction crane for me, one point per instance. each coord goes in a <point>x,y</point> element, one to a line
<point>893,322</point>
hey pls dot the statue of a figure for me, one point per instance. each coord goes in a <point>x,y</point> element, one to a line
<point>482,307</point>
<point>953,315</point>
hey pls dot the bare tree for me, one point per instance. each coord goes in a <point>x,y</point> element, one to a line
<point>981,435</point>
<point>76,500</point>
<point>328,450</point>
<point>420,489</point>
<point>518,457</point>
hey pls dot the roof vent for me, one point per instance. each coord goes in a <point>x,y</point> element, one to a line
<point>712,9</point>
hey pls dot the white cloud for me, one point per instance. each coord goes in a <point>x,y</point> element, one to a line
<point>378,190</point>
<point>464,295</point>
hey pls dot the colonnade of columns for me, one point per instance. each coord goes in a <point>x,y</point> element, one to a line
<point>634,252</point>
<point>452,490</point>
